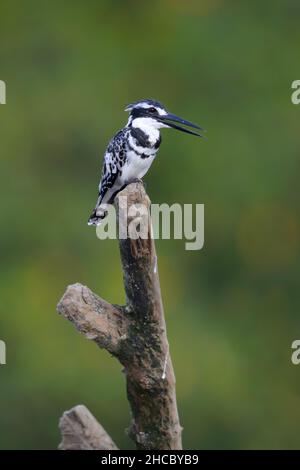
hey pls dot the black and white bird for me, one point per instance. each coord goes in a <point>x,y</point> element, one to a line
<point>132,150</point>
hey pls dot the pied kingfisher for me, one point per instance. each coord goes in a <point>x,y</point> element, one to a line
<point>132,150</point>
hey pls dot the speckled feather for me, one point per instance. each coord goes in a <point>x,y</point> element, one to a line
<point>129,155</point>
<point>113,162</point>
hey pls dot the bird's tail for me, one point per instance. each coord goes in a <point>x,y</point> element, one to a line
<point>98,214</point>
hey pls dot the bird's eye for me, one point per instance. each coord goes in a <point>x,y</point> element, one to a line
<point>152,110</point>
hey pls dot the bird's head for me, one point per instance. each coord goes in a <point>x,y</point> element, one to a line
<point>153,114</point>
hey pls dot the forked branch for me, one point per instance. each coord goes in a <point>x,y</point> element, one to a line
<point>134,334</point>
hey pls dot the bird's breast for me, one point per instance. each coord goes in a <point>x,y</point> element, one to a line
<point>136,165</point>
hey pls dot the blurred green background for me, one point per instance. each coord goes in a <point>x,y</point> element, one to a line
<point>232,308</point>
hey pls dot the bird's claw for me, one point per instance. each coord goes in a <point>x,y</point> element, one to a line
<point>139,180</point>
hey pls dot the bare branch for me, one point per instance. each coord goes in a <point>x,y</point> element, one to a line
<point>136,335</point>
<point>145,354</point>
<point>81,431</point>
<point>98,320</point>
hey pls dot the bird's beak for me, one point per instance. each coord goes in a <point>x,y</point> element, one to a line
<point>171,119</point>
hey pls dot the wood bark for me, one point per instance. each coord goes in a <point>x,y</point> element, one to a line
<point>81,431</point>
<point>135,333</point>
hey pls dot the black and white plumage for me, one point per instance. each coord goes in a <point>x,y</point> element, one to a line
<point>132,150</point>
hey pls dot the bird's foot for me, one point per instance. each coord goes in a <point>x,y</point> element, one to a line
<point>138,180</point>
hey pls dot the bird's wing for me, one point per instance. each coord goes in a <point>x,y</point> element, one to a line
<point>114,160</point>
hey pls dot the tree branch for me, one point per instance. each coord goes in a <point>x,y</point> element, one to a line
<point>97,319</point>
<point>135,334</point>
<point>81,431</point>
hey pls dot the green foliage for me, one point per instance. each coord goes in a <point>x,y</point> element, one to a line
<point>233,308</point>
